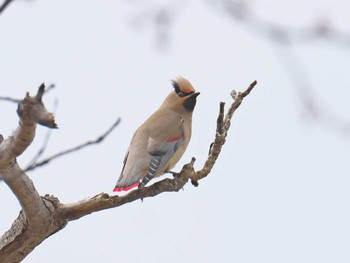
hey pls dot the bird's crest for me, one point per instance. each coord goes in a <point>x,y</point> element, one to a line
<point>181,84</point>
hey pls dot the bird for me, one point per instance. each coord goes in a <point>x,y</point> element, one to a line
<point>161,140</point>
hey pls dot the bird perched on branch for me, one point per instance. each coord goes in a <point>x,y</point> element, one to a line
<point>159,143</point>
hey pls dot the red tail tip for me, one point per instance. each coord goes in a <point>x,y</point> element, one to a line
<point>119,189</point>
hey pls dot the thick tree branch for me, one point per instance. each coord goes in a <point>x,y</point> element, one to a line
<point>35,218</point>
<point>103,201</point>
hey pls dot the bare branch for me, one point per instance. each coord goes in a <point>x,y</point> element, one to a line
<point>249,89</point>
<point>74,149</point>
<point>10,99</point>
<point>31,111</point>
<point>4,5</point>
<point>49,88</point>
<point>284,38</point>
<point>42,217</point>
<point>242,11</point>
<point>221,133</point>
<point>35,216</point>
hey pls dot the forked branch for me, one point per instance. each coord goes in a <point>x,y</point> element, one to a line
<point>43,216</point>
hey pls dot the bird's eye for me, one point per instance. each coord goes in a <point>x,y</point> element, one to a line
<point>181,94</point>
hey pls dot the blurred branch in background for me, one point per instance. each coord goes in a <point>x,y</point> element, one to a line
<point>284,39</point>
<point>156,16</point>
<point>242,11</point>
<point>161,16</point>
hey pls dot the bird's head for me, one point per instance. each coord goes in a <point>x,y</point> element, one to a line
<point>184,96</point>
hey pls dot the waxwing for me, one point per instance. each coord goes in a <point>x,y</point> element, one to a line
<point>161,140</point>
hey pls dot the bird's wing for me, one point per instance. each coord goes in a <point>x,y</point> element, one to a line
<point>161,153</point>
<point>125,182</point>
<point>135,163</point>
<point>151,149</point>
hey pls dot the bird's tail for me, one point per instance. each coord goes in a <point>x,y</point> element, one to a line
<point>119,188</point>
<point>126,182</point>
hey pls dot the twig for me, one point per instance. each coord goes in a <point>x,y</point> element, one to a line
<point>222,127</point>
<point>10,99</point>
<point>76,148</point>
<point>249,89</point>
<point>52,86</point>
<point>4,5</point>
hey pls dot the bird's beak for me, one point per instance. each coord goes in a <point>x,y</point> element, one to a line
<point>195,94</point>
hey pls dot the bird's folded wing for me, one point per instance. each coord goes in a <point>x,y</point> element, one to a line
<point>161,153</point>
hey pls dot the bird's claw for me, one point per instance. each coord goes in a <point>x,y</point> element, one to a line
<point>175,174</point>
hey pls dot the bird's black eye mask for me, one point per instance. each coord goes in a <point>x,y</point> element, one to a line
<point>179,92</point>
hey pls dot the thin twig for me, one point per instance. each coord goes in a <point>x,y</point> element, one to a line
<point>223,125</point>
<point>249,89</point>
<point>4,5</point>
<point>60,154</point>
<point>10,99</point>
<point>52,86</point>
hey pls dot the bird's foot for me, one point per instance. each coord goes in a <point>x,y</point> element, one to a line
<point>175,174</point>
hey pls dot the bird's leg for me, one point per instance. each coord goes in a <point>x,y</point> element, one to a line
<point>175,174</point>
<point>139,187</point>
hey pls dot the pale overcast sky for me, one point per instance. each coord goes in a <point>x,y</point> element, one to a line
<point>280,189</point>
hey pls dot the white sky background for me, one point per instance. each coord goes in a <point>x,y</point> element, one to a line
<point>280,189</point>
